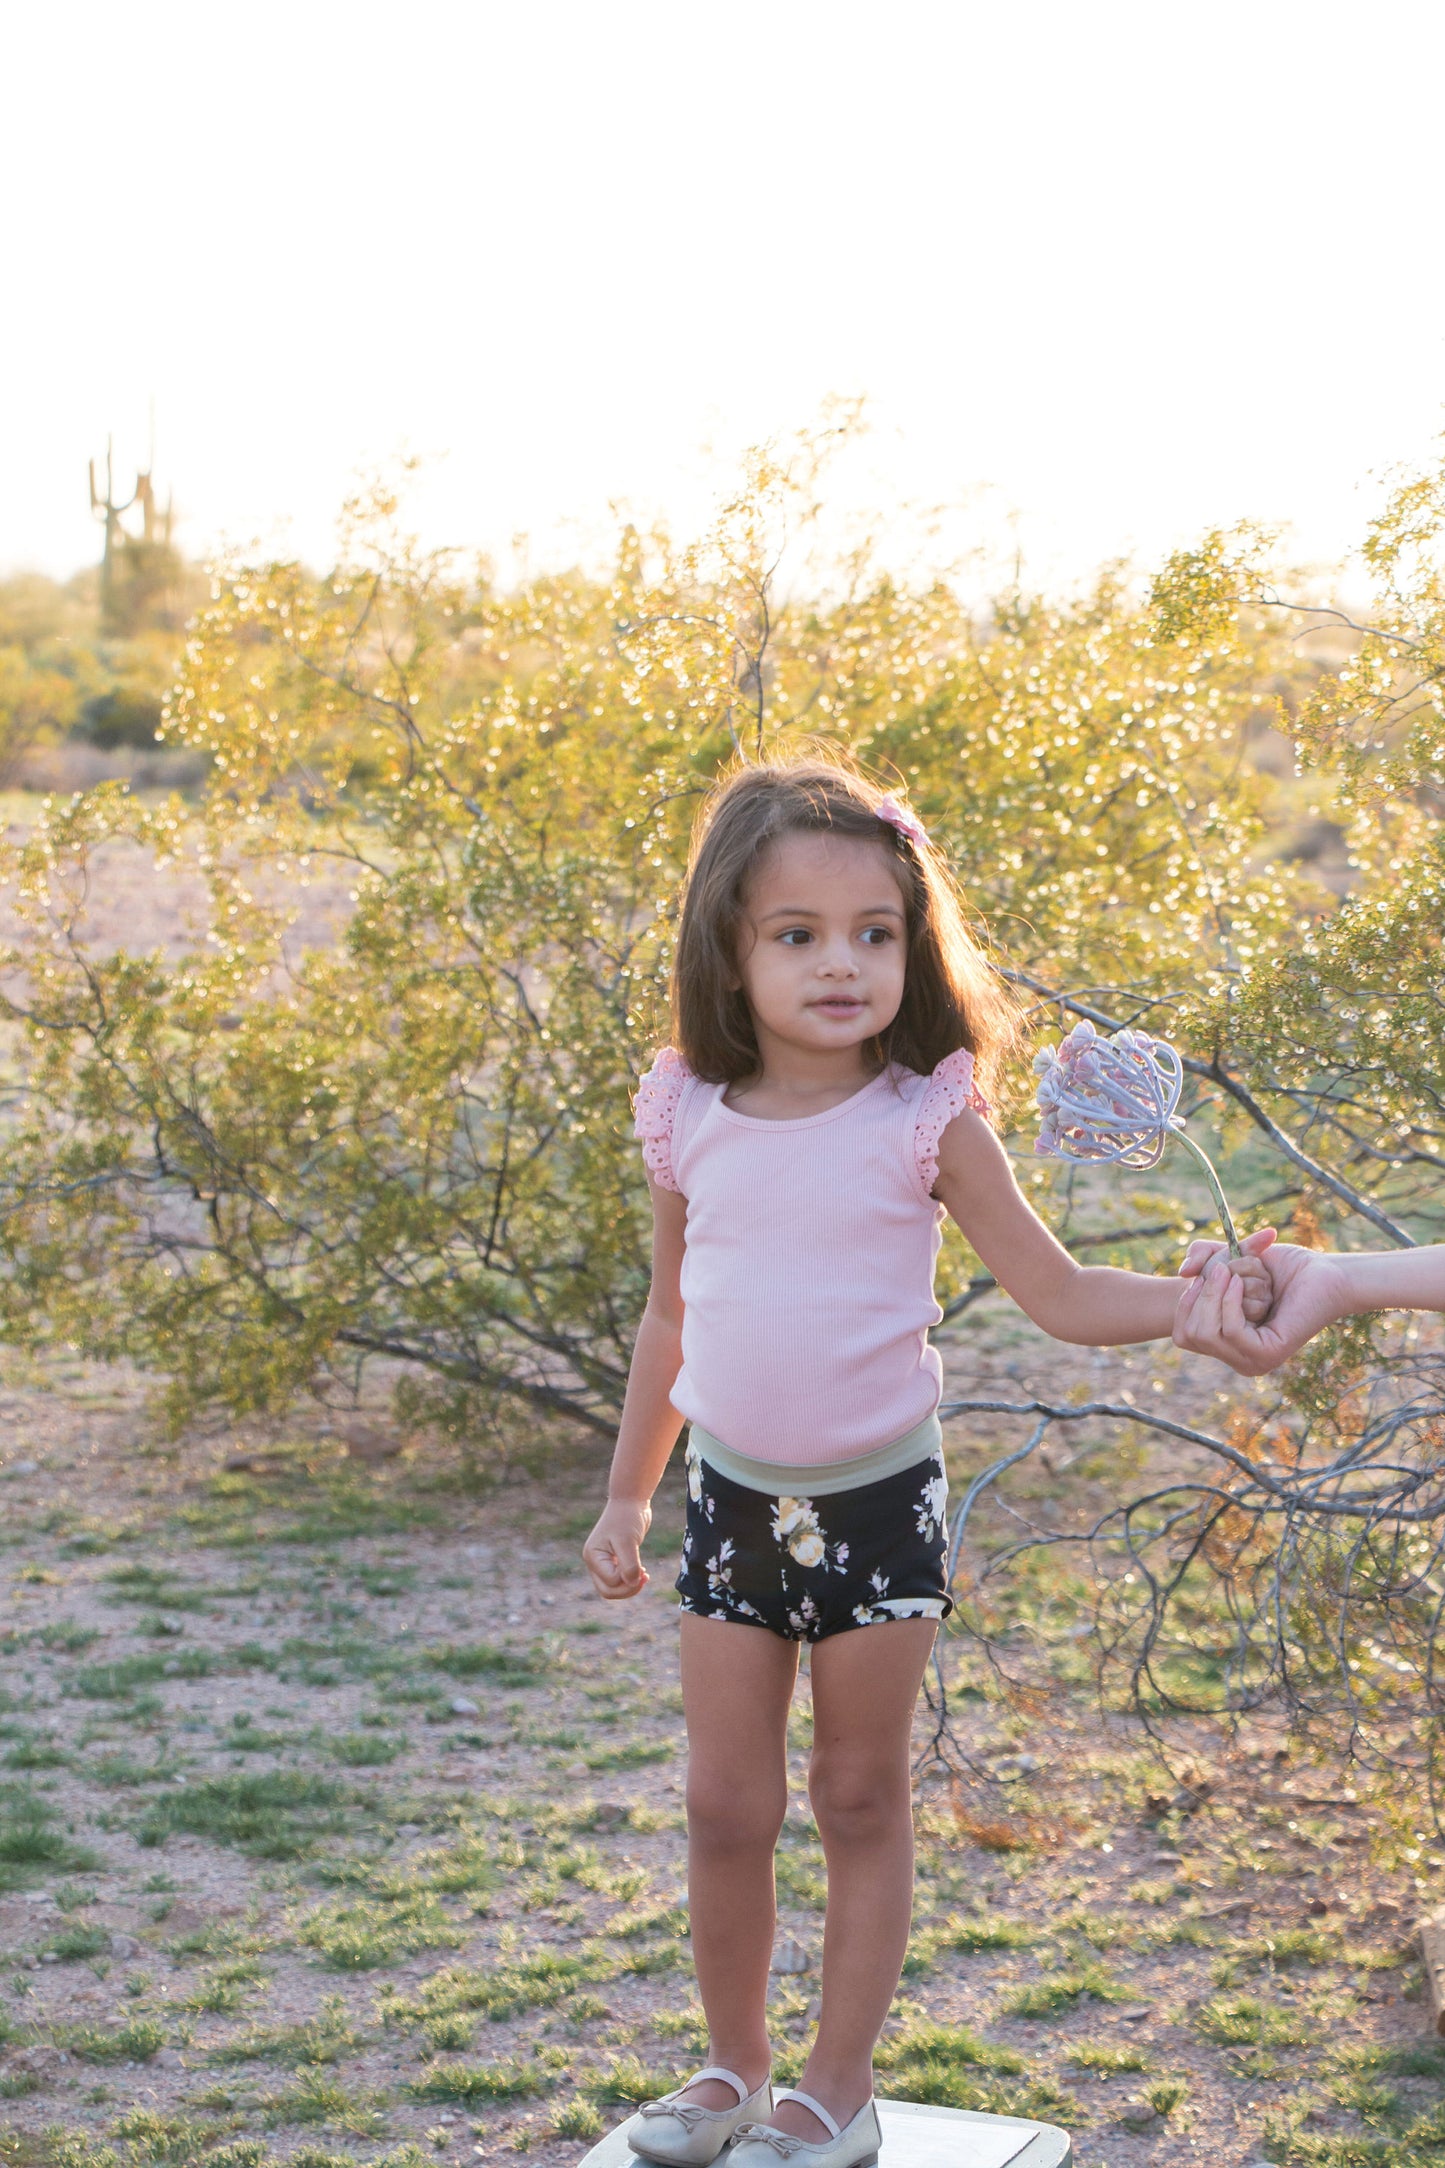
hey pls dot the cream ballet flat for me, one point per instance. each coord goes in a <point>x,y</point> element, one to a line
<point>686,2135</point>
<point>856,2145</point>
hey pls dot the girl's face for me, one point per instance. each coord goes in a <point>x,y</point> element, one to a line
<point>822,944</point>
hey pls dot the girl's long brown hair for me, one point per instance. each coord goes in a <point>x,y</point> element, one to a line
<point>951,996</point>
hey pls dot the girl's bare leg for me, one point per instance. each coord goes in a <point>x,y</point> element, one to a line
<point>865,1684</point>
<point>737,1682</point>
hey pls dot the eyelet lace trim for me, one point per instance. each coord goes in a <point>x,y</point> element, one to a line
<point>655,1110</point>
<point>950,1089</point>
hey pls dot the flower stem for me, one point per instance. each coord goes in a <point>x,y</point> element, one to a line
<point>1225,1219</point>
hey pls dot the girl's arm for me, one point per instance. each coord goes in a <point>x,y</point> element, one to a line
<point>1096,1305</point>
<point>1312,1289</point>
<point>650,1423</point>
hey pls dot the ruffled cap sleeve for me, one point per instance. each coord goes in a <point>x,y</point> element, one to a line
<point>659,1095</point>
<point>950,1089</point>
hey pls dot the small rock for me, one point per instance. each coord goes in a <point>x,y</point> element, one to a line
<point>49,1957</point>
<point>23,1467</point>
<point>1136,2013</point>
<point>460,1706</point>
<point>1137,2115</point>
<point>609,1814</point>
<point>38,2061</point>
<point>408,1829</point>
<point>789,1957</point>
<point>171,1667</point>
<point>168,2059</point>
<point>1316,1908</point>
<point>171,1625</point>
<point>124,1946</point>
<point>1165,1859</point>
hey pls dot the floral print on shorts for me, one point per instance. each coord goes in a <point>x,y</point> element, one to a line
<point>806,1568</point>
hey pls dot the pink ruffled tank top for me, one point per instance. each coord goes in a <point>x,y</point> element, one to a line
<point>807,1281</point>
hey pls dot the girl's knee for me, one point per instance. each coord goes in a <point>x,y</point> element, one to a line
<point>858,1800</point>
<point>729,1816</point>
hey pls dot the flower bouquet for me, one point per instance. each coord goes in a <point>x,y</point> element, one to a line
<point>1115,1099</point>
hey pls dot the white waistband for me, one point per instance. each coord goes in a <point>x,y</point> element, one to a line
<point>823,1478</point>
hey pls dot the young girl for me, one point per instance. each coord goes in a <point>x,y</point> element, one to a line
<point>822,1107</point>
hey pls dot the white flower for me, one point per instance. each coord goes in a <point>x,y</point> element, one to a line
<point>808,1547</point>
<point>694,1478</point>
<point>933,1504</point>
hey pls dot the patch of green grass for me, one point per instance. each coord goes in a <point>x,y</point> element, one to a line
<point>659,1920</point>
<point>329,2037</point>
<point>577,2119</point>
<point>74,1944</point>
<point>244,1735</point>
<point>29,1839</point>
<point>481,1660</point>
<point>273,1814</point>
<point>154,1585</point>
<point>473,2083</point>
<point>498,1991</point>
<point>121,1677</point>
<point>623,2082</point>
<point>637,1754</point>
<point>68,1636</point>
<point>315,2098</point>
<point>1237,2021</point>
<point>36,1752</point>
<point>1058,1992</point>
<point>1287,1946</point>
<point>387,1580</point>
<point>359,1936</point>
<point>466,1868</point>
<point>164,2139</point>
<point>116,1770</point>
<point>949,2066</point>
<point>223,1992</point>
<point>1102,2055</point>
<point>1164,2095</point>
<point>967,1933</point>
<point>134,2042</point>
<point>365,1750</point>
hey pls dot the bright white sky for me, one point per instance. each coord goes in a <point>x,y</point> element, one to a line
<point>1112,272</point>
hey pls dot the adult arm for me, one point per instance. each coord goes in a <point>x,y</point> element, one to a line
<point>1093,1305</point>
<point>650,1423</point>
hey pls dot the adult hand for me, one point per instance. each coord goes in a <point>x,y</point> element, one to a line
<point>1309,1294</point>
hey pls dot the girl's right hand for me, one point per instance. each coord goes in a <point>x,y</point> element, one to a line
<point>1212,1320</point>
<point>612,1553</point>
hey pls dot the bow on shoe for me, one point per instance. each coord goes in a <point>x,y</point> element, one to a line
<point>687,2112</point>
<point>782,2141</point>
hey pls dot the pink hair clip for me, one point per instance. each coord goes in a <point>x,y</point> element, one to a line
<point>898,816</point>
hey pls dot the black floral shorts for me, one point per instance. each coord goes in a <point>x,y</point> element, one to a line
<point>807,1568</point>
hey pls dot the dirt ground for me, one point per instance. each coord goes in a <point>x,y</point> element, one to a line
<point>339,1822</point>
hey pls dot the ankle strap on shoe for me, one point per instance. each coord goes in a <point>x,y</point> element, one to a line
<point>729,2077</point>
<point>790,2092</point>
